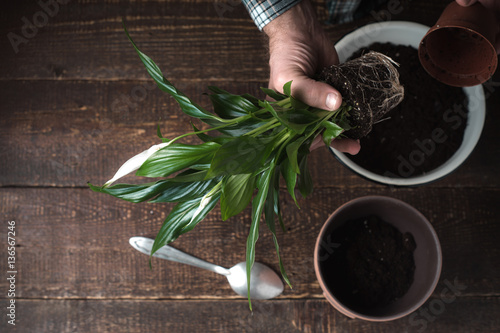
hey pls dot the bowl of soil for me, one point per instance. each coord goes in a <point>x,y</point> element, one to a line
<point>377,259</point>
<point>431,132</point>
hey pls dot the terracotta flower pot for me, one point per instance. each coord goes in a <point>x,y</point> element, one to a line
<point>459,49</point>
<point>427,255</point>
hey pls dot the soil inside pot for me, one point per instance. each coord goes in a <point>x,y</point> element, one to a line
<point>423,131</point>
<point>370,263</point>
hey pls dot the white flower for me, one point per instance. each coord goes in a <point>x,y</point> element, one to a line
<point>135,162</point>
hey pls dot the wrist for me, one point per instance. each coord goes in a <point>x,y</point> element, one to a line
<point>298,21</point>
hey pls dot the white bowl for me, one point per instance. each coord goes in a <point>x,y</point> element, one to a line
<point>409,33</point>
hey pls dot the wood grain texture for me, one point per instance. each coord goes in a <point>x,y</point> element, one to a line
<point>77,102</point>
<point>137,316</point>
<point>97,126</point>
<point>73,242</point>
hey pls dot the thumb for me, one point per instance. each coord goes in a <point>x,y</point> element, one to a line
<point>316,94</point>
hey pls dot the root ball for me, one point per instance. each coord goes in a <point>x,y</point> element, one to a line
<point>370,85</point>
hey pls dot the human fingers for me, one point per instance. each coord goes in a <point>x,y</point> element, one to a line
<point>344,145</point>
<point>316,94</point>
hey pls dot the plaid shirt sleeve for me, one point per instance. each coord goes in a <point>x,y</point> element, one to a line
<point>341,11</point>
<point>264,11</point>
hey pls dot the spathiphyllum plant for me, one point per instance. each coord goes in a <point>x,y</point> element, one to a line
<point>257,142</point>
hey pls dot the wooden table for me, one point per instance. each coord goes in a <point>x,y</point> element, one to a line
<point>77,102</point>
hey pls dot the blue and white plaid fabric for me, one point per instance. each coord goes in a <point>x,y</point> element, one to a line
<point>340,11</point>
<point>264,11</point>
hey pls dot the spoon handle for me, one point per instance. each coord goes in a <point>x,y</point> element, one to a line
<point>145,245</point>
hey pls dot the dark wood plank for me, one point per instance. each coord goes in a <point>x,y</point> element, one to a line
<point>50,140</point>
<point>77,103</point>
<point>73,243</point>
<point>85,40</point>
<point>465,314</point>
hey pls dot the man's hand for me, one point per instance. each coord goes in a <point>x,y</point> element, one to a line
<point>299,48</point>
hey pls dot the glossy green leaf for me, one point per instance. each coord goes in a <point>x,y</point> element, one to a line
<point>131,192</point>
<point>196,173</point>
<point>237,129</point>
<point>230,106</point>
<point>274,94</point>
<point>176,157</point>
<point>295,119</point>
<point>244,154</point>
<point>187,105</point>
<point>220,139</point>
<point>287,88</point>
<point>217,90</point>
<point>184,191</point>
<point>167,190</point>
<point>305,183</point>
<point>182,219</point>
<point>290,177</point>
<point>296,104</point>
<point>257,207</point>
<point>272,210</point>
<point>331,131</point>
<point>292,150</point>
<point>237,191</point>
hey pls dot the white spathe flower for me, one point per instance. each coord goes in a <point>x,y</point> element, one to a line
<point>135,162</point>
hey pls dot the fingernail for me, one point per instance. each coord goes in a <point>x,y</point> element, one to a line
<point>466,3</point>
<point>331,101</point>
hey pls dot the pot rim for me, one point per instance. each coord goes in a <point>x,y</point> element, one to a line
<point>410,33</point>
<point>355,314</point>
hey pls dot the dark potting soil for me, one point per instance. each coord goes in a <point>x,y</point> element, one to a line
<point>423,131</point>
<point>370,263</point>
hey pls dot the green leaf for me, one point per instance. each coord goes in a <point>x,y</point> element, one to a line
<point>305,183</point>
<point>238,129</point>
<point>176,157</point>
<point>217,90</point>
<point>331,131</point>
<point>290,177</point>
<point>237,191</point>
<point>158,131</point>
<point>132,193</point>
<point>274,94</point>
<point>196,173</point>
<point>184,191</point>
<point>270,210</point>
<point>296,104</point>
<point>208,138</point>
<point>230,106</point>
<point>257,207</point>
<point>252,99</point>
<point>167,190</point>
<point>296,120</point>
<point>244,154</point>
<point>292,150</point>
<point>187,105</point>
<point>183,218</point>
<point>287,88</point>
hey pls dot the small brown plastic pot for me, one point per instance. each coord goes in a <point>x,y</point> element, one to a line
<point>427,255</point>
<point>459,49</point>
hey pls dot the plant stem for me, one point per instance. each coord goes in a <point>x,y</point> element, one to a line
<point>259,130</point>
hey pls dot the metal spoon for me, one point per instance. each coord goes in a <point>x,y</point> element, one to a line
<point>264,282</point>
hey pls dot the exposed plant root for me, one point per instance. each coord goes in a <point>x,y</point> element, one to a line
<point>370,84</point>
